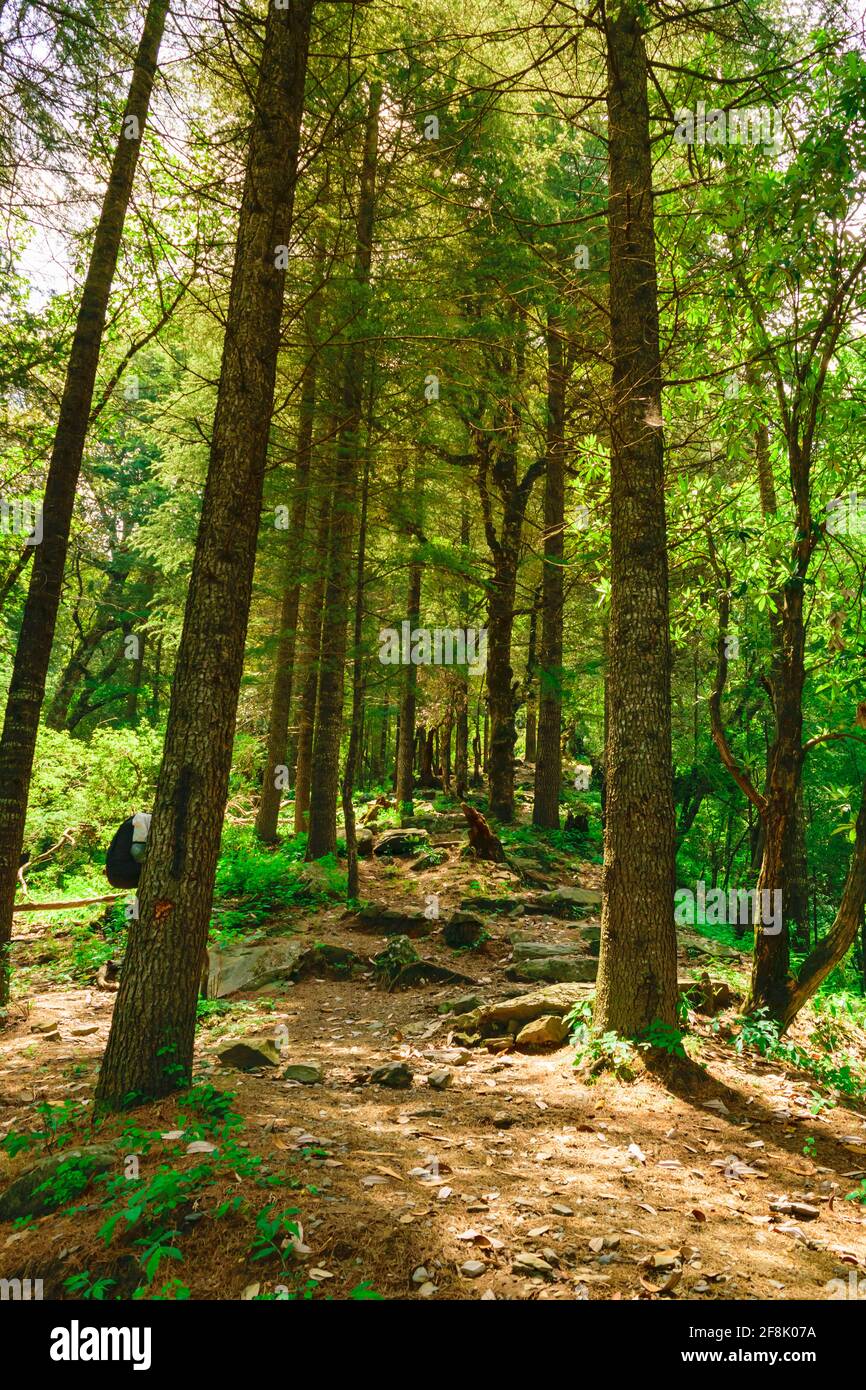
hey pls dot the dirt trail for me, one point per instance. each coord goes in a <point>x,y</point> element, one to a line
<point>620,1190</point>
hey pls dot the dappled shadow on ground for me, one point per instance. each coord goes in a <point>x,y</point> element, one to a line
<point>515,1161</point>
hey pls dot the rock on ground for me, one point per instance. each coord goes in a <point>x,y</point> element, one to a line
<point>246,1053</point>
<point>396,1075</point>
<point>21,1197</point>
<point>548,1031</point>
<point>493,1019</point>
<point>407,921</point>
<point>560,902</point>
<point>247,967</point>
<point>555,969</point>
<point>401,842</point>
<point>463,929</point>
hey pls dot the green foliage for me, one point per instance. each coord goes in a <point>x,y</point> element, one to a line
<point>60,1125</point>
<point>259,881</point>
<point>606,1052</point>
<point>72,1177</point>
<point>273,1233</point>
<point>398,953</point>
<point>661,1037</point>
<point>88,788</point>
<point>758,1032</point>
<point>364,1293</point>
<point>830,1067</point>
<point>83,1286</point>
<point>579,1019</point>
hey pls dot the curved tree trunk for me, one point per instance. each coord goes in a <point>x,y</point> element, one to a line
<point>33,650</point>
<point>833,947</point>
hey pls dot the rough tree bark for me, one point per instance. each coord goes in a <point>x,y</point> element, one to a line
<point>461,732</point>
<point>325,776</point>
<point>637,978</point>
<point>406,741</point>
<point>497,461</point>
<point>531,749</point>
<point>308,663</point>
<point>284,661</point>
<point>356,723</point>
<point>548,768</point>
<point>150,1045</point>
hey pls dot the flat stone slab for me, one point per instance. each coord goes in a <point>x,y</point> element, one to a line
<point>391,921</point>
<point>307,1073</point>
<point>550,1030</point>
<point>245,1054</point>
<point>510,904</point>
<point>399,842</point>
<point>247,967</point>
<point>541,950</point>
<point>556,969</point>
<point>691,941</point>
<point>560,902</point>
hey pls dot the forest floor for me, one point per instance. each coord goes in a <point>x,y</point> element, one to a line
<point>622,1189</point>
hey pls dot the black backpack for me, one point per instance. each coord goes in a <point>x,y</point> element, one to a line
<point>121,869</point>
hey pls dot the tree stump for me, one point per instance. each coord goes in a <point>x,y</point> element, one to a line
<point>481,837</point>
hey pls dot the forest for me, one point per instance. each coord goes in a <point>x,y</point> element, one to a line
<point>433,651</point>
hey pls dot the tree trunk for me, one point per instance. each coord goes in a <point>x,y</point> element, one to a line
<point>833,947</point>
<point>150,1045</point>
<point>155,679</point>
<point>329,714</point>
<point>548,770</point>
<point>131,712</point>
<point>501,692</point>
<point>281,694</point>
<point>15,574</point>
<point>531,748</point>
<point>447,727</point>
<point>461,735</point>
<point>33,650</point>
<point>637,976</point>
<point>796,890</point>
<point>311,642</point>
<point>408,695</point>
<point>427,777</point>
<point>357,718</point>
<point>74,672</point>
<point>497,460</point>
